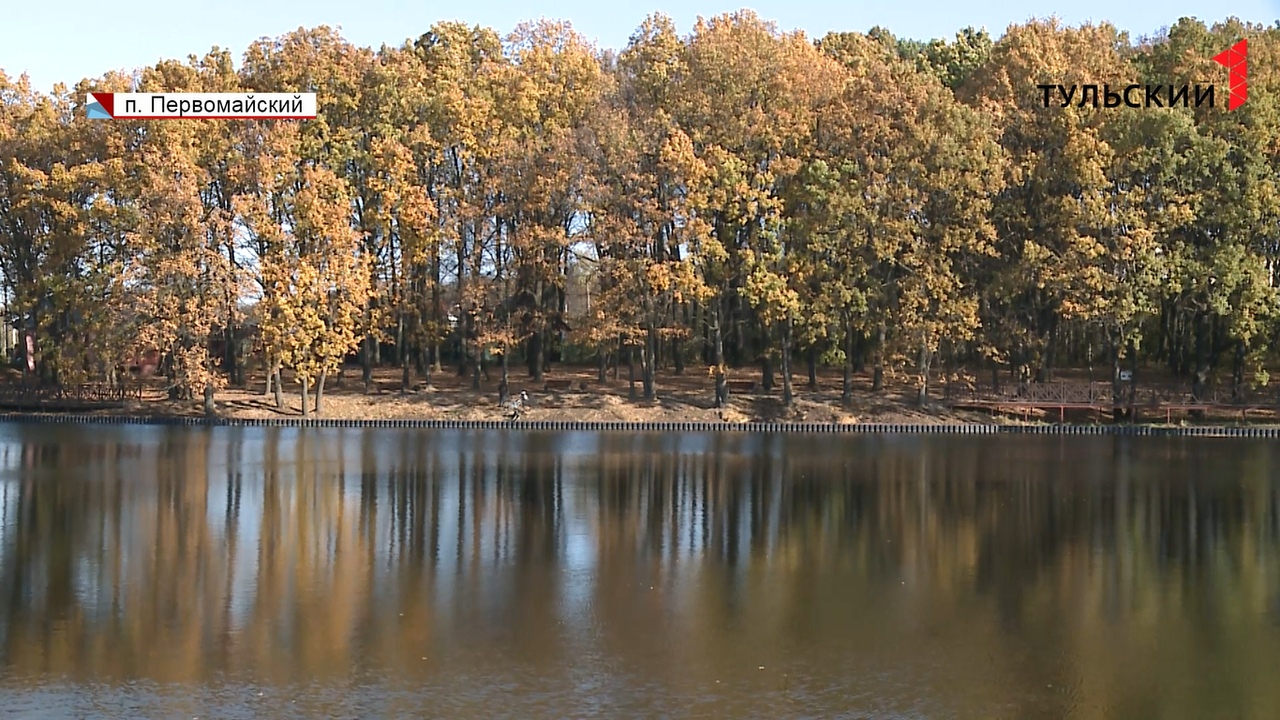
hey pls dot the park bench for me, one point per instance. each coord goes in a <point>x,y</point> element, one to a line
<point>557,384</point>
<point>741,385</point>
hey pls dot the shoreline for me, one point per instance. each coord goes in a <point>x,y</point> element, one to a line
<point>873,428</point>
<point>683,404</point>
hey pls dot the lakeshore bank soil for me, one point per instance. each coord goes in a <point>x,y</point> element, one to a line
<point>687,397</point>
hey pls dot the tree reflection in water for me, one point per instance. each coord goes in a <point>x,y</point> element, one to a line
<point>168,570</point>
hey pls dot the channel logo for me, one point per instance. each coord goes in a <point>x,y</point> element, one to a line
<point>1236,61</point>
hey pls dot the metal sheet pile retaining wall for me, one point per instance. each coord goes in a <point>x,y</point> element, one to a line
<point>568,425</point>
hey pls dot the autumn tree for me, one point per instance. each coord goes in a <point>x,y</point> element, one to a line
<point>745,106</point>
<point>184,247</point>
<point>321,282</point>
<point>737,193</point>
<point>1051,213</point>
<point>1214,192</point>
<point>643,227</point>
<point>460,159</point>
<point>906,201</point>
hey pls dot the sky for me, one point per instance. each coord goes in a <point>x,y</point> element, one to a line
<point>67,40</point>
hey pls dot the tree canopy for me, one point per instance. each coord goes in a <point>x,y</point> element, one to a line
<point>727,198</point>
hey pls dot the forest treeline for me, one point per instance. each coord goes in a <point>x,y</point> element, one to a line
<point>733,198</point>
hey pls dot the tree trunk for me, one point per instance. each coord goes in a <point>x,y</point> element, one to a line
<point>813,367</point>
<point>437,313</point>
<point>405,377</point>
<point>601,374</point>
<point>766,372</point>
<point>926,359</point>
<point>504,389</point>
<point>647,363</point>
<point>1044,373</point>
<point>617,360</point>
<point>1237,374</point>
<point>367,360</point>
<point>272,368</point>
<point>722,383</point>
<point>1133,373</point>
<point>877,381</point>
<point>1186,346</point>
<point>534,359</point>
<point>544,354</point>
<point>677,355</point>
<point>631,372</point>
<point>1200,380</point>
<point>306,399</point>
<point>229,353</point>
<point>738,340</point>
<point>846,381</point>
<point>209,407</point>
<point>464,317</point>
<point>787,396</point>
<point>704,332</point>
<point>400,348</point>
<point>1169,336</point>
<point>1117,388</point>
<point>28,354</point>
<point>324,375</point>
<point>279,391</point>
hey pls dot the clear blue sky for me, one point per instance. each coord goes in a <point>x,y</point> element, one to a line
<point>66,40</point>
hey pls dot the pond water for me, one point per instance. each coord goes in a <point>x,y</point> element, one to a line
<point>246,572</point>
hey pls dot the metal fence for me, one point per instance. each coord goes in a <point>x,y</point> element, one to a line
<point>1104,394</point>
<point>88,393</point>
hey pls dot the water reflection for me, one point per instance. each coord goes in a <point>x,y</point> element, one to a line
<point>183,571</point>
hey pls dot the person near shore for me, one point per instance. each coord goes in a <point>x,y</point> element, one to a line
<point>517,405</point>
